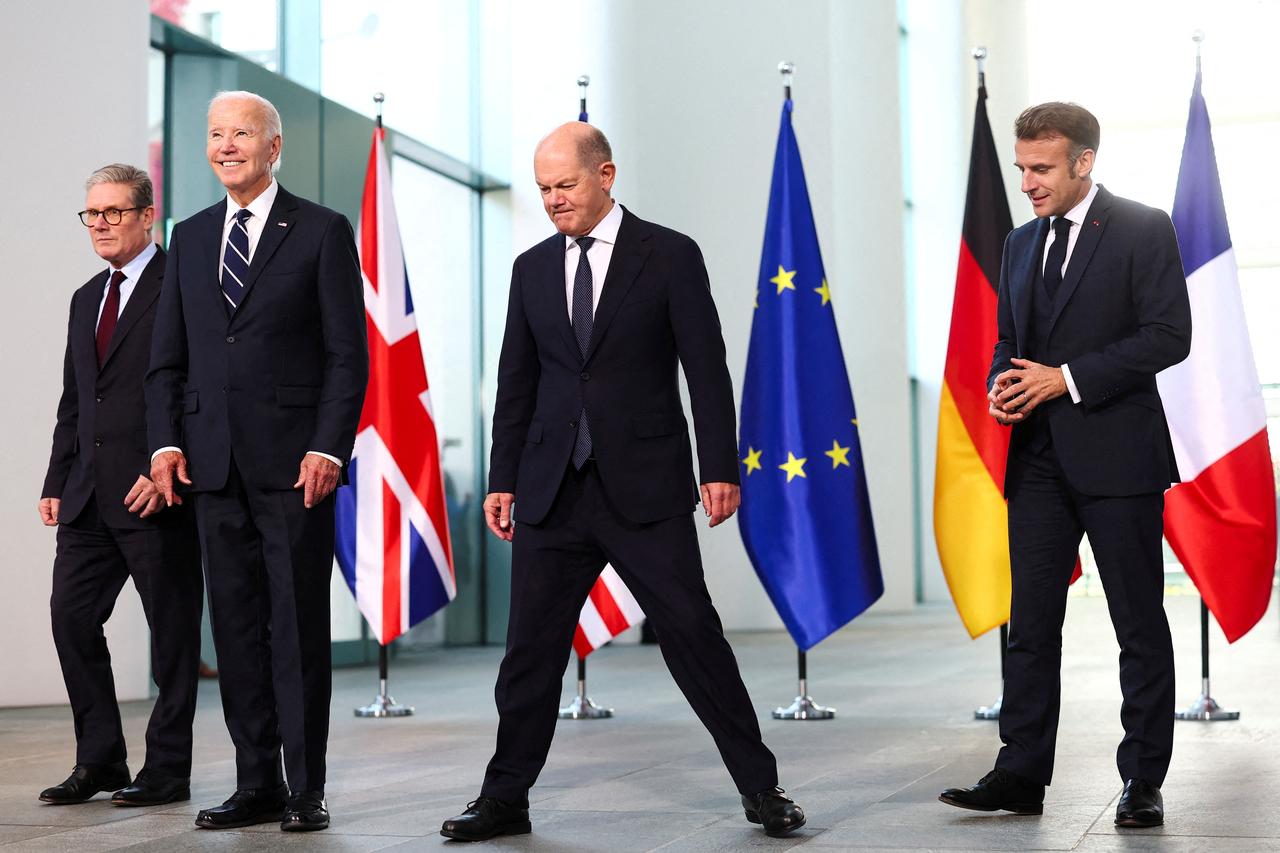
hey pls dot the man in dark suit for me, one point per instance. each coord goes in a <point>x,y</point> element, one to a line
<point>591,446</point>
<point>1092,305</point>
<point>258,372</point>
<point>111,521</point>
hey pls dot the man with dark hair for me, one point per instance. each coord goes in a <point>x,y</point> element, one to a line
<point>111,520</point>
<point>590,442</point>
<point>1092,305</point>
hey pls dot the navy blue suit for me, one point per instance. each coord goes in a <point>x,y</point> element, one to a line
<point>1120,315</point>
<point>246,393</point>
<point>632,505</point>
<point>99,450</point>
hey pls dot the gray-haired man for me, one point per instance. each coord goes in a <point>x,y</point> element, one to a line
<point>112,523</point>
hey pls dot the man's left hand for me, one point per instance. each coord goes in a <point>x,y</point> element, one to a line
<point>719,501</point>
<point>144,498</point>
<point>1028,385</point>
<point>317,477</point>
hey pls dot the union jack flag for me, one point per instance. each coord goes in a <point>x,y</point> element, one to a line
<point>393,532</point>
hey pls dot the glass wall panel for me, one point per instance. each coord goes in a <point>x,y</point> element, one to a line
<point>250,28</point>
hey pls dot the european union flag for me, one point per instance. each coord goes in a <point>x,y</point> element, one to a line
<point>806,515</point>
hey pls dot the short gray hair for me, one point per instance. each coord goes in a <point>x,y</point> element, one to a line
<point>138,182</point>
<point>271,115</point>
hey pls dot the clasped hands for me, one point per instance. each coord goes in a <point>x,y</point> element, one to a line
<point>719,502</point>
<point>1017,392</point>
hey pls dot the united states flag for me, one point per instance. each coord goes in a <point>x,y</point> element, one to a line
<point>393,532</point>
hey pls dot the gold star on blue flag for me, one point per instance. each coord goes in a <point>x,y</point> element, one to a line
<point>808,531</point>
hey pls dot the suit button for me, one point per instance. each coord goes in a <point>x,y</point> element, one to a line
<point>97,442</point>
<point>231,339</point>
<point>97,399</point>
<point>584,376</point>
<point>573,424</point>
<point>224,389</point>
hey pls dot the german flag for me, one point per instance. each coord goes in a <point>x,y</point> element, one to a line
<point>970,517</point>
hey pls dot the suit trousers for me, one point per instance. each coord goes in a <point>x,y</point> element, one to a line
<point>1046,520</point>
<point>268,560</point>
<point>554,565</point>
<point>92,563</point>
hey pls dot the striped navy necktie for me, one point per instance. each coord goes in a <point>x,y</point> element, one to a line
<point>235,260</point>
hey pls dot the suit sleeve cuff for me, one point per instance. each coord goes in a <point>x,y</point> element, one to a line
<point>335,460</point>
<point>1071,384</point>
<point>165,450</point>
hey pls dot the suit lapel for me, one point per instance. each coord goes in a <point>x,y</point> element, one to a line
<point>629,255</point>
<point>1095,222</point>
<point>1021,279</point>
<point>279,223</point>
<point>558,299</point>
<point>145,291</point>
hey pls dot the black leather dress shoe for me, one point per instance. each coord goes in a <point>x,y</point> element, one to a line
<point>305,812</point>
<point>85,781</point>
<point>999,790</point>
<point>1140,805</point>
<point>246,807</point>
<point>152,789</point>
<point>778,814</point>
<point>487,818</point>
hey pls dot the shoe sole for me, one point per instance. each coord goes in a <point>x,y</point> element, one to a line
<point>54,802</point>
<point>509,829</point>
<point>177,798</point>
<point>753,817</point>
<point>1131,823</point>
<point>1015,808</point>
<point>274,817</point>
<point>303,827</point>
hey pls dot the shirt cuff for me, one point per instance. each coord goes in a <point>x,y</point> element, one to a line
<point>165,450</point>
<point>1071,384</point>
<point>335,460</point>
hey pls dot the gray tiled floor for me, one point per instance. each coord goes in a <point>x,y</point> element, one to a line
<point>650,779</point>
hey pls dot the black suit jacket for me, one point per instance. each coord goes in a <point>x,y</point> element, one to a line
<point>100,439</point>
<point>1121,315</point>
<point>284,373</point>
<point>655,308</point>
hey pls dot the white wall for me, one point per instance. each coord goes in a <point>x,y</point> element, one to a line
<point>75,98</point>
<point>690,97</point>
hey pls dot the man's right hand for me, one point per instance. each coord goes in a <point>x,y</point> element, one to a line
<point>49,511</point>
<point>165,468</point>
<point>497,514</point>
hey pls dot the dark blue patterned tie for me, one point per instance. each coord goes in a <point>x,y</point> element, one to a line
<point>1057,256</point>
<point>235,260</point>
<point>583,319</point>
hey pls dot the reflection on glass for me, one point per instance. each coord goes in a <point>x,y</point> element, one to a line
<point>250,28</point>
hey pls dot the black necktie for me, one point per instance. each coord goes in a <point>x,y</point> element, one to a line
<point>583,319</point>
<point>1057,257</point>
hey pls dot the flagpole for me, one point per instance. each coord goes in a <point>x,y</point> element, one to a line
<point>582,708</point>
<point>583,82</point>
<point>992,711</point>
<point>383,705</point>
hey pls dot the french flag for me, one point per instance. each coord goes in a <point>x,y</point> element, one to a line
<point>392,528</point>
<point>1221,520</point>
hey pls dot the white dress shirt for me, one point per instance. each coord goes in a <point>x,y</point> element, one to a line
<point>598,256</point>
<point>1076,216</point>
<point>131,271</point>
<point>260,207</point>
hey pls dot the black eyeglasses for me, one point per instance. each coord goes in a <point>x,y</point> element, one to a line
<point>113,215</point>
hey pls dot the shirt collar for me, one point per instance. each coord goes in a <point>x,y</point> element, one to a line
<point>134,268</point>
<point>260,207</point>
<point>1077,214</point>
<point>606,230</point>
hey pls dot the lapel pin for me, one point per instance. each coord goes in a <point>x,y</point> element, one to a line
<point>1095,222</point>
<point>286,224</point>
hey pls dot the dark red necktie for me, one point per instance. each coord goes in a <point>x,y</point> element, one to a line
<point>110,313</point>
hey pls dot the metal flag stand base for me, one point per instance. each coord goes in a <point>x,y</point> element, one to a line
<point>582,708</point>
<point>992,711</point>
<point>803,707</point>
<point>383,705</point>
<point>1205,709</point>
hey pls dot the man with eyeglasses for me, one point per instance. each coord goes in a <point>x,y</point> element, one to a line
<point>112,521</point>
